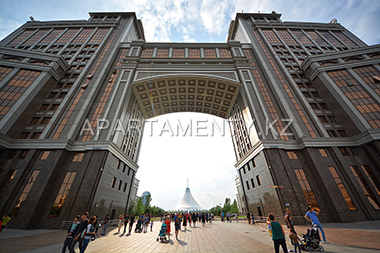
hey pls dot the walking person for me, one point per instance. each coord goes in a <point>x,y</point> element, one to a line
<point>78,231</point>
<point>249,217</point>
<point>120,223</point>
<point>97,225</point>
<point>131,221</point>
<point>288,219</point>
<point>177,224</point>
<point>105,224</point>
<point>184,222</point>
<point>194,219</point>
<point>151,226</point>
<point>313,217</point>
<point>70,235</point>
<point>252,218</point>
<point>88,233</point>
<point>278,234</point>
<point>167,222</point>
<point>125,221</point>
<point>237,217</point>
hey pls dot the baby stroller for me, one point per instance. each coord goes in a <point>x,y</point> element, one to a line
<point>138,228</point>
<point>162,234</point>
<point>311,240</point>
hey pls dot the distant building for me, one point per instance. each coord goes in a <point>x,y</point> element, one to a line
<point>187,203</point>
<point>144,195</point>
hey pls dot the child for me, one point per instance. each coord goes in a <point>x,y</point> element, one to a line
<point>295,240</point>
<point>151,226</point>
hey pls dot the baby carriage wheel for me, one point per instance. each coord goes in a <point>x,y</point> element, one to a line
<point>308,248</point>
<point>320,248</point>
<point>157,239</point>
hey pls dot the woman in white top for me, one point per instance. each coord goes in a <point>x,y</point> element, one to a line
<point>121,219</point>
<point>88,233</point>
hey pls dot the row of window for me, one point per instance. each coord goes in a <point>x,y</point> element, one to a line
<point>113,184</point>
<point>21,154</point>
<point>253,183</point>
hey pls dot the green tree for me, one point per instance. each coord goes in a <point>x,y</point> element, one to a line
<point>139,206</point>
<point>227,205</point>
<point>148,199</point>
<point>216,210</point>
<point>235,208</point>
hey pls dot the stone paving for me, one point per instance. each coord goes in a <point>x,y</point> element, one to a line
<point>218,237</point>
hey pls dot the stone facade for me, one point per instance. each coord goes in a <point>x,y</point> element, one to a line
<point>301,100</point>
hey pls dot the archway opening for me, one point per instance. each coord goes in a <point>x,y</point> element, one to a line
<point>178,146</point>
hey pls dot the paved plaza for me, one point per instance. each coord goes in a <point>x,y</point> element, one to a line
<point>218,237</point>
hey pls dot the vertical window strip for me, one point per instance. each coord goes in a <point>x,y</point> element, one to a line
<point>20,38</point>
<point>210,53</point>
<point>314,36</point>
<point>67,36</point>
<point>147,53</point>
<point>358,96</point>
<point>301,36</point>
<point>342,188</point>
<point>345,39</point>
<point>83,35</point>
<point>6,181</point>
<point>225,53</point>
<point>15,88</point>
<point>56,209</point>
<point>330,38</point>
<point>286,37</point>
<point>102,103</point>
<point>51,37</point>
<point>365,187</point>
<point>308,192</point>
<point>366,73</point>
<point>81,91</point>
<point>99,35</point>
<point>271,36</point>
<point>194,53</point>
<point>25,192</point>
<point>37,36</point>
<point>4,71</point>
<point>371,178</point>
<point>265,94</point>
<point>178,53</point>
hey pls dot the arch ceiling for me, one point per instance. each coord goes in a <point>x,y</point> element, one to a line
<point>186,94</point>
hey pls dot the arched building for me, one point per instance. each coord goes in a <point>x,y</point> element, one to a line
<point>301,99</point>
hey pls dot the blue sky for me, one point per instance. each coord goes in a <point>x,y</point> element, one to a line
<point>166,161</point>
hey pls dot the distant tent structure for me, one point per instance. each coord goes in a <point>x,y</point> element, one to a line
<point>187,203</point>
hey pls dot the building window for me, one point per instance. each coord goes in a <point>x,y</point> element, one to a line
<point>78,157</point>
<point>6,181</point>
<point>125,186</point>
<point>244,169</point>
<point>343,151</point>
<point>247,185</point>
<point>25,192</point>
<point>342,189</point>
<point>365,187</point>
<point>342,133</point>
<point>45,121</point>
<point>23,154</point>
<point>371,178</point>
<point>258,180</point>
<point>323,106</point>
<point>45,155</point>
<point>113,182</point>
<point>307,191</point>
<point>333,119</point>
<point>36,135</point>
<point>24,135</point>
<point>34,121</point>
<point>124,167</point>
<point>62,195</point>
<point>322,119</point>
<point>12,154</point>
<point>253,183</point>
<point>129,170</point>
<point>292,154</point>
<point>248,167</point>
<point>120,183</point>
<point>331,133</point>
<point>323,152</point>
<point>355,151</point>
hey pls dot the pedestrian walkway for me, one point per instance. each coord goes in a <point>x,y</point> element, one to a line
<point>218,237</point>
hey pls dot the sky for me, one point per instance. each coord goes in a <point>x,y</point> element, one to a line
<point>167,161</point>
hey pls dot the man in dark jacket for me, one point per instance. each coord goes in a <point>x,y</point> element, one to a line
<point>70,231</point>
<point>78,231</point>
